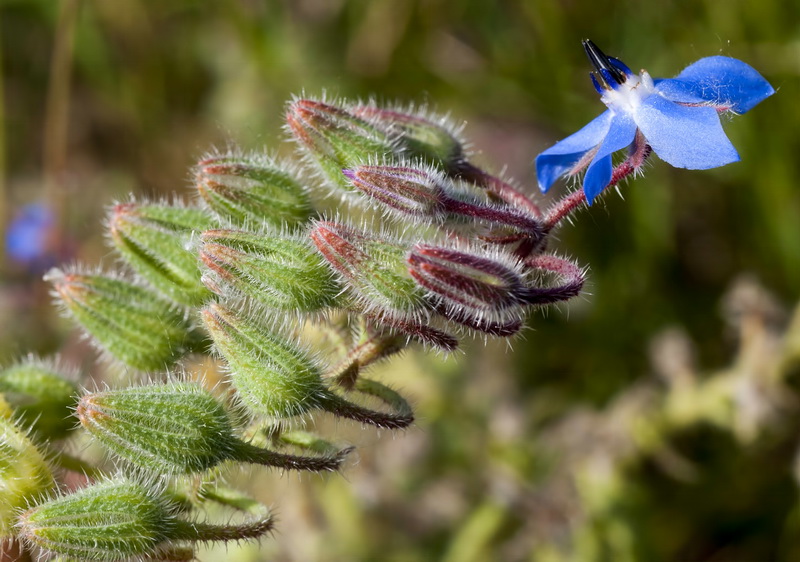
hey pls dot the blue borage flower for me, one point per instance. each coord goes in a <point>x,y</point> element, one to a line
<point>676,118</point>
<point>30,237</point>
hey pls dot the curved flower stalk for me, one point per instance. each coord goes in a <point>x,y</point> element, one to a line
<point>243,271</point>
<point>676,118</point>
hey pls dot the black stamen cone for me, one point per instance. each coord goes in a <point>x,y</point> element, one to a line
<point>601,63</point>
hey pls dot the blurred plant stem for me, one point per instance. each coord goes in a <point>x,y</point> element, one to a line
<point>3,170</point>
<point>56,123</point>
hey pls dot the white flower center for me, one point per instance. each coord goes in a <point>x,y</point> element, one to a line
<point>628,96</point>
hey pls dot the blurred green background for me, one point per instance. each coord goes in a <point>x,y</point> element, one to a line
<point>104,97</point>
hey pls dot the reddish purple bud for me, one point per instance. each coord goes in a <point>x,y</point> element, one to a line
<point>464,278</point>
<point>569,275</point>
<point>425,194</point>
<point>472,290</point>
<point>408,190</point>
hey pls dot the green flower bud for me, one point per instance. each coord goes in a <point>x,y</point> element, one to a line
<point>24,474</point>
<point>153,239</point>
<point>275,377</point>
<point>435,141</point>
<point>114,520</point>
<point>173,428</point>
<point>41,396</point>
<point>272,375</point>
<point>251,190</point>
<point>122,520</point>
<point>127,321</point>
<point>279,271</point>
<point>178,428</point>
<point>374,269</point>
<point>336,139</point>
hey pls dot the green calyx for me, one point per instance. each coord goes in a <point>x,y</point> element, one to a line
<point>121,519</point>
<point>250,190</point>
<point>154,238</point>
<point>132,324</point>
<point>179,428</point>
<point>434,142</point>
<point>113,520</point>
<point>336,139</point>
<point>374,269</point>
<point>272,375</point>
<point>281,272</point>
<point>173,428</point>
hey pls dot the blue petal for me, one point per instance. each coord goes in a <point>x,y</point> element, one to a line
<point>620,134</point>
<point>686,137</point>
<point>562,156</point>
<point>29,233</point>
<point>720,81</point>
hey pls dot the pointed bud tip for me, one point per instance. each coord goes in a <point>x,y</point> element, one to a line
<point>87,410</point>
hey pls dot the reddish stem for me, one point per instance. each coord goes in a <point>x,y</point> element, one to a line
<point>497,187</point>
<point>567,205</point>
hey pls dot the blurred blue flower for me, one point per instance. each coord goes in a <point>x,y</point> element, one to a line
<point>30,239</point>
<point>677,118</point>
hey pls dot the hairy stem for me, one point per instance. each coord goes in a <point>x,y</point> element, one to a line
<point>568,204</point>
<point>497,187</point>
<point>245,452</point>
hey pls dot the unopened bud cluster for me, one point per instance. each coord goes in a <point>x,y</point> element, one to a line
<point>238,274</point>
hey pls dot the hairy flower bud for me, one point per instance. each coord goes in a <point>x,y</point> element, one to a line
<point>427,194</point>
<point>372,268</point>
<point>252,189</point>
<point>129,322</point>
<point>404,189</point>
<point>113,520</point>
<point>24,474</point>
<point>153,239</point>
<point>335,138</point>
<point>473,290</point>
<point>123,520</point>
<point>174,428</point>
<point>433,141</point>
<point>282,272</point>
<point>40,395</point>
<point>178,428</point>
<point>278,378</point>
<point>272,375</point>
